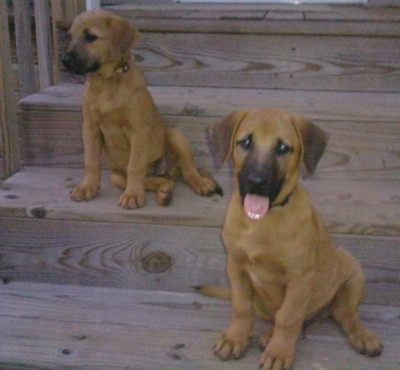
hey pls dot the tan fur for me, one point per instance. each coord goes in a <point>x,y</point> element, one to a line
<point>283,267</point>
<point>120,117</point>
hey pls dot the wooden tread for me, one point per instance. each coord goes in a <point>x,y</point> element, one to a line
<point>348,207</point>
<point>49,326</point>
<point>355,187</point>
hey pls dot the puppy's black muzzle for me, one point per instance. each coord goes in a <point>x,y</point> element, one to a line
<point>74,64</point>
<point>260,180</point>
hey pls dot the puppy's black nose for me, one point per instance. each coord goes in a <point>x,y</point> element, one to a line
<point>66,60</point>
<point>255,179</point>
<point>256,183</point>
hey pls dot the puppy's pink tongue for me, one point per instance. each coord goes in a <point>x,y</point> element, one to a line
<point>255,206</point>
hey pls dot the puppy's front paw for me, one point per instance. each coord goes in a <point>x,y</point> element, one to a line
<point>132,200</point>
<point>227,347</point>
<point>366,342</point>
<point>84,192</point>
<point>277,357</point>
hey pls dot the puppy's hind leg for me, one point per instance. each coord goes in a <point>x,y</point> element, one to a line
<point>345,308</point>
<point>181,160</point>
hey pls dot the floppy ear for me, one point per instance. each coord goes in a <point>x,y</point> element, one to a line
<point>220,136</point>
<point>314,140</point>
<point>123,36</point>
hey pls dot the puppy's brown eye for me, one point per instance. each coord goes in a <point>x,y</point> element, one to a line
<point>246,143</point>
<point>90,37</point>
<point>282,148</point>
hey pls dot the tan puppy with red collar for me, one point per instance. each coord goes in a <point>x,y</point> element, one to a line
<point>280,260</point>
<point>120,119</point>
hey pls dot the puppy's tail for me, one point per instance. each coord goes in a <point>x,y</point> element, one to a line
<point>214,291</point>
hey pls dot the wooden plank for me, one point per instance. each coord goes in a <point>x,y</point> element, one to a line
<point>44,43</point>
<point>23,30</point>
<point>215,11</point>
<point>134,255</point>
<point>356,150</point>
<point>279,26</point>
<point>273,62</point>
<point>53,326</point>
<point>67,10</point>
<point>209,102</point>
<point>349,207</point>
<point>363,138</point>
<point>9,139</point>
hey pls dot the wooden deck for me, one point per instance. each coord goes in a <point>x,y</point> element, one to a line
<point>49,326</point>
<point>91,286</point>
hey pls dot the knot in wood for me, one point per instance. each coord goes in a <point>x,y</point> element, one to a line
<point>156,262</point>
<point>38,212</point>
<point>190,110</point>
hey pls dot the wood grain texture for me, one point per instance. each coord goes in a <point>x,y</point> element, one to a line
<point>356,151</point>
<point>273,61</point>
<point>348,207</point>
<point>23,38</point>
<point>364,128</point>
<point>54,326</point>
<point>263,18</point>
<point>282,47</point>
<point>44,43</point>
<point>216,102</point>
<point>270,61</point>
<point>155,257</point>
<point>9,138</point>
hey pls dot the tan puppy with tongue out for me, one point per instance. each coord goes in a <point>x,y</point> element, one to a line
<point>280,260</point>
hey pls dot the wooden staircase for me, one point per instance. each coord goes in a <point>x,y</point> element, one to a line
<point>91,286</point>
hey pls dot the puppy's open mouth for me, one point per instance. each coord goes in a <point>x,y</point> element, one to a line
<point>255,206</point>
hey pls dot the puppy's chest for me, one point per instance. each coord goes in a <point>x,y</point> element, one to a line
<point>258,253</point>
<point>104,105</point>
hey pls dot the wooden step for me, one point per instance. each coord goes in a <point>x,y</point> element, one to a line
<point>355,187</point>
<point>64,326</point>
<point>363,127</point>
<point>135,254</point>
<point>347,207</point>
<point>298,47</point>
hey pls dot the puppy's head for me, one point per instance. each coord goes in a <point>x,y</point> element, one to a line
<point>98,37</point>
<point>268,147</point>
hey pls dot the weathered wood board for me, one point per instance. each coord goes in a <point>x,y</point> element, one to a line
<point>348,207</point>
<point>52,326</point>
<point>364,128</point>
<point>322,19</point>
<point>254,11</point>
<point>277,47</point>
<point>296,62</point>
<point>154,256</point>
<point>270,61</point>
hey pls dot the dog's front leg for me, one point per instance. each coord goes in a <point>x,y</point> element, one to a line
<point>90,184</point>
<point>233,342</point>
<point>134,195</point>
<point>280,346</point>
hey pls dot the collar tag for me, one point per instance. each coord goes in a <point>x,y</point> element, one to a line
<point>124,68</point>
